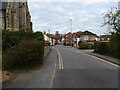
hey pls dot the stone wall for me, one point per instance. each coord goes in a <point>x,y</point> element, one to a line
<point>2,15</point>
<point>17,17</point>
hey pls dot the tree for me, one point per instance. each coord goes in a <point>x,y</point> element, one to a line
<point>112,18</point>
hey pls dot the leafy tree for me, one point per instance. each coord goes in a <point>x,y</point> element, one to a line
<point>112,18</point>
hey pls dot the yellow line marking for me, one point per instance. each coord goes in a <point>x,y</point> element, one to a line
<point>60,64</point>
<point>96,58</point>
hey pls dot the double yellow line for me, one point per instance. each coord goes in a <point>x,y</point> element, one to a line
<point>60,61</point>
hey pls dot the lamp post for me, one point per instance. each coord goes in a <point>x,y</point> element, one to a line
<point>49,35</point>
<point>71,32</point>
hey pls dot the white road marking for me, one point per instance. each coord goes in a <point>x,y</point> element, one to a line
<point>60,63</point>
<point>52,79</point>
<point>96,58</point>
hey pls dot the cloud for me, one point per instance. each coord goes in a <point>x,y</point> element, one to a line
<point>88,1</point>
<point>56,15</point>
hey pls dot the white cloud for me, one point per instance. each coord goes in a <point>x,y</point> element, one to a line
<point>88,1</point>
<point>55,16</point>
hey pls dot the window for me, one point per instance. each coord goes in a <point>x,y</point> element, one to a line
<point>102,39</point>
<point>108,39</point>
<point>86,38</point>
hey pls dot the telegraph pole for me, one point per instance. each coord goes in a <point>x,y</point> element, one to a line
<point>71,32</point>
<point>49,35</point>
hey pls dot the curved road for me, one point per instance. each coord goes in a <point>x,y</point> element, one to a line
<point>83,71</point>
<point>71,69</point>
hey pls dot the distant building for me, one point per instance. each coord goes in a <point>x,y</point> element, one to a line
<point>86,37</point>
<point>105,38</point>
<point>15,16</point>
<point>57,33</point>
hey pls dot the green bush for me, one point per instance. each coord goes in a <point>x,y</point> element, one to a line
<point>101,47</point>
<point>110,48</point>
<point>68,44</point>
<point>10,38</point>
<point>24,55</point>
<point>85,46</point>
<point>114,45</point>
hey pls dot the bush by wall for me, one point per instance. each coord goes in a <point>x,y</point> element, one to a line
<point>111,48</point>
<point>114,45</point>
<point>21,49</point>
<point>24,55</point>
<point>10,38</point>
<point>85,46</point>
<point>101,47</point>
<point>68,44</point>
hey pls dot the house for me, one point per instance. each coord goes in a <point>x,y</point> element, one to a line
<point>86,37</point>
<point>68,38</point>
<point>104,38</point>
<point>76,38</point>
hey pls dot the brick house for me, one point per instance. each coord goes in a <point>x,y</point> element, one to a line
<point>86,36</point>
<point>104,38</point>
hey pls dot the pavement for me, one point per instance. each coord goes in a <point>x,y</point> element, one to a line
<point>66,67</point>
<point>40,78</point>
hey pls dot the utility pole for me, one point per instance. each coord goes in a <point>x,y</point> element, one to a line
<point>71,32</point>
<point>49,35</point>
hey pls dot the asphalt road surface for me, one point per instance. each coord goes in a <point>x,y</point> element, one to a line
<point>80,70</point>
<point>66,67</point>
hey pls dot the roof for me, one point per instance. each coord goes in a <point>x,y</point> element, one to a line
<point>105,35</point>
<point>78,33</point>
<point>88,33</point>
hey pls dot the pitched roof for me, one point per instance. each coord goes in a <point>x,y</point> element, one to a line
<point>88,33</point>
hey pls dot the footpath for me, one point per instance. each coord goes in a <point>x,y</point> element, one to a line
<point>38,78</point>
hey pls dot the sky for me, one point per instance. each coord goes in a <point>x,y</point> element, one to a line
<point>56,16</point>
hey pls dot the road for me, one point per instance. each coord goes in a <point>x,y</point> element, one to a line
<point>66,67</point>
<point>83,71</point>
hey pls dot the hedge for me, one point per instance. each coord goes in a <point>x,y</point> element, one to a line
<point>27,54</point>
<point>22,49</point>
<point>83,45</point>
<point>12,38</point>
<point>114,45</point>
<point>101,47</point>
<point>111,48</point>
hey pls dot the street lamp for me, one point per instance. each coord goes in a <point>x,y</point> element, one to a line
<point>49,35</point>
<point>71,32</point>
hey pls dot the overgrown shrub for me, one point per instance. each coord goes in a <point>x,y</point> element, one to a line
<point>114,45</point>
<point>101,47</point>
<point>24,55</point>
<point>22,49</point>
<point>12,38</point>
<point>68,44</point>
<point>110,48</point>
<point>85,45</point>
